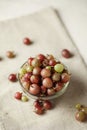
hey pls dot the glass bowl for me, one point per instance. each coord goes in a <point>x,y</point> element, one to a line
<point>56,95</point>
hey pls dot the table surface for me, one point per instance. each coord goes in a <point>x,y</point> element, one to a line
<point>73,13</point>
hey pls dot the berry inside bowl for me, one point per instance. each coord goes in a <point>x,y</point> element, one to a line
<point>43,77</point>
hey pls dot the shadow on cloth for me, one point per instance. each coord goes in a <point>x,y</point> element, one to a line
<point>74,94</point>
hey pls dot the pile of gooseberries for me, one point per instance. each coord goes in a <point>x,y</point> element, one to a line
<point>40,106</point>
<point>81,114</point>
<point>43,75</point>
<point>20,96</point>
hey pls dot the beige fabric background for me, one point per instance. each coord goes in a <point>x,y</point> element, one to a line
<point>49,37</point>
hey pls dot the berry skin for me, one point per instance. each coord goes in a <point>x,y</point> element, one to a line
<point>41,57</point>
<point>34,89</point>
<point>59,68</point>
<point>58,86</point>
<point>26,41</point>
<point>45,73</point>
<point>78,106</point>
<point>47,82</point>
<point>84,109</point>
<point>66,53</point>
<point>12,77</point>
<point>52,62</point>
<point>39,111</point>
<point>56,76</point>
<point>36,71</point>
<point>50,91</point>
<point>30,60</point>
<point>24,98</point>
<point>38,105</point>
<point>65,77</point>
<point>10,54</point>
<point>47,105</point>
<point>18,95</point>
<point>80,116</point>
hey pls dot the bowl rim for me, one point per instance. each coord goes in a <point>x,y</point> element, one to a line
<point>57,94</point>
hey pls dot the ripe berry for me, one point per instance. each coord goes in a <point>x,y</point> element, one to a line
<point>41,57</point>
<point>39,110</point>
<point>66,53</point>
<point>38,107</point>
<point>34,89</point>
<point>65,77</point>
<point>45,73</point>
<point>36,71</point>
<point>12,77</point>
<point>52,62</point>
<point>47,82</point>
<point>10,54</point>
<point>26,41</point>
<point>24,98</point>
<point>47,105</point>
<point>50,91</point>
<point>80,116</point>
<point>18,95</point>
<point>30,60</point>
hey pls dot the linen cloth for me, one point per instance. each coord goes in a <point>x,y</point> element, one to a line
<point>49,36</point>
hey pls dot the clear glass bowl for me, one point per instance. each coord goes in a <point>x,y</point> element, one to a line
<point>56,95</point>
